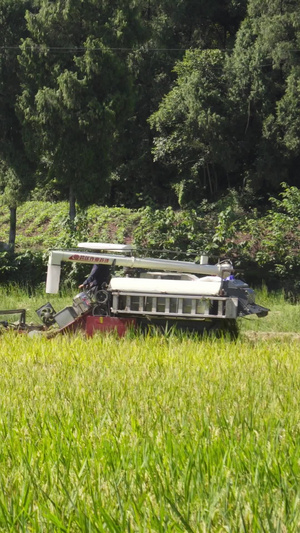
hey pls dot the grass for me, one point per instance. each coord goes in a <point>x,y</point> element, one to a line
<point>14,297</point>
<point>159,434</point>
<point>282,318</point>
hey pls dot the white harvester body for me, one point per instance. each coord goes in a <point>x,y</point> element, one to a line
<point>161,290</point>
<point>56,257</point>
<point>192,287</point>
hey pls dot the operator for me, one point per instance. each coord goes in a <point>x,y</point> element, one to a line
<point>99,274</point>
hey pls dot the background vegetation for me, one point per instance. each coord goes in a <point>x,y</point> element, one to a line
<point>173,125</point>
<point>158,103</point>
<point>262,243</point>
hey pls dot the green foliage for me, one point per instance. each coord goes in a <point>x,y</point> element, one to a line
<point>164,231</point>
<point>10,186</point>
<point>27,269</point>
<point>46,225</point>
<point>16,172</point>
<point>288,124</point>
<point>288,201</point>
<point>264,246</point>
<point>263,72</point>
<point>169,28</point>
<point>73,103</point>
<point>191,127</point>
<point>216,83</point>
<point>207,230</point>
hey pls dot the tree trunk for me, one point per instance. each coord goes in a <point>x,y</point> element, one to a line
<point>12,228</point>
<point>72,206</point>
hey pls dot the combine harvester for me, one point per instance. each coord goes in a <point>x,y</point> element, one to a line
<point>160,292</point>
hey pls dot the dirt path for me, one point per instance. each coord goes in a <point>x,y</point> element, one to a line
<point>280,335</point>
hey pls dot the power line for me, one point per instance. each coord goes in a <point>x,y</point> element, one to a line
<point>116,48</point>
<point>101,49</point>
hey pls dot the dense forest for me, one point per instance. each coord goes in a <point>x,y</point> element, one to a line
<point>136,103</point>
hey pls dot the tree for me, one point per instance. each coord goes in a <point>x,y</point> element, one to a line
<point>76,93</point>
<point>16,173</point>
<point>264,74</point>
<point>288,114</point>
<point>170,27</point>
<point>191,125</point>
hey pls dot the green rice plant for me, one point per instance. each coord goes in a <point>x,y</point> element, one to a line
<point>149,434</point>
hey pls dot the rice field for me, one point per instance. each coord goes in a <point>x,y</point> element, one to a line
<point>150,434</point>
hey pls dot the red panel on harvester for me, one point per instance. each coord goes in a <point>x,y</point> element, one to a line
<point>77,325</point>
<point>108,323</point>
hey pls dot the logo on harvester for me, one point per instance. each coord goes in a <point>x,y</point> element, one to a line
<point>87,258</point>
